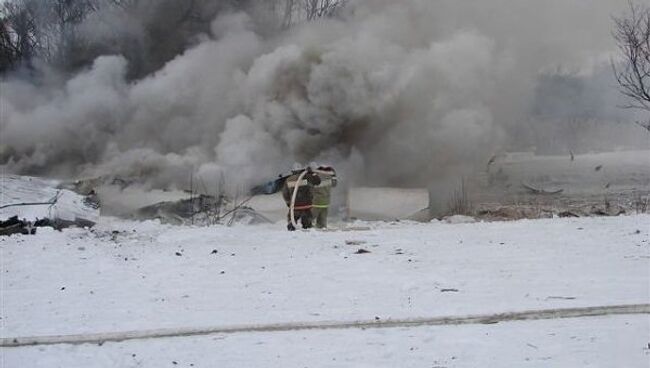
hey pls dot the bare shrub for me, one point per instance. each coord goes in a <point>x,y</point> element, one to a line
<point>460,203</point>
<point>641,203</point>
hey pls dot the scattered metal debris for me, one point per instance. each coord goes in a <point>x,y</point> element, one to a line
<point>201,210</point>
<point>540,191</point>
<point>16,226</point>
<point>28,203</point>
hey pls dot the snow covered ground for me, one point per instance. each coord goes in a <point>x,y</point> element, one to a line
<point>124,276</point>
<point>594,342</point>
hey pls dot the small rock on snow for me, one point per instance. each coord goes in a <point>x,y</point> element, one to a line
<point>354,242</point>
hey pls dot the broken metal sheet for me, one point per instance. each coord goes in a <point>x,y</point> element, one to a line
<point>32,199</point>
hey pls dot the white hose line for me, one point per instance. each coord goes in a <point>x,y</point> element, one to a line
<point>293,199</point>
<point>530,315</point>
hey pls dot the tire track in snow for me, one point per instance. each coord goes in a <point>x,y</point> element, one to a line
<point>545,314</point>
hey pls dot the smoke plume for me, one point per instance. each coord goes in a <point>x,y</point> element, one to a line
<point>397,93</point>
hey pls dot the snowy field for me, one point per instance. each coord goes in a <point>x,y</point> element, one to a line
<point>130,276</point>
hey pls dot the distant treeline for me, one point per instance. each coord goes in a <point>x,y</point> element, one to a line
<point>68,35</point>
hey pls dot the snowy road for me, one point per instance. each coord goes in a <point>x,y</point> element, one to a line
<point>126,276</point>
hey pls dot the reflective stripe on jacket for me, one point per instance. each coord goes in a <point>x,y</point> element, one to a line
<point>305,190</point>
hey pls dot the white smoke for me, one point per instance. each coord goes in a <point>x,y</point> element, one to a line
<point>395,92</point>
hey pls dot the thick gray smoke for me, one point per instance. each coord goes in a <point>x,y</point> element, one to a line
<point>395,92</point>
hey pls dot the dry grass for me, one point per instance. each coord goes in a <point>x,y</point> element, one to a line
<point>460,203</point>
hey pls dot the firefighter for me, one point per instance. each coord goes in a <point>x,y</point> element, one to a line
<point>304,196</point>
<point>322,194</point>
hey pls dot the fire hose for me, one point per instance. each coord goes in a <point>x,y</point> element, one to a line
<point>293,199</point>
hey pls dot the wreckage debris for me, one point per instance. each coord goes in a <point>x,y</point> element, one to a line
<point>29,203</point>
<point>450,290</point>
<point>201,210</point>
<point>16,226</point>
<point>59,224</point>
<point>194,209</point>
<point>541,191</point>
<point>565,214</point>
